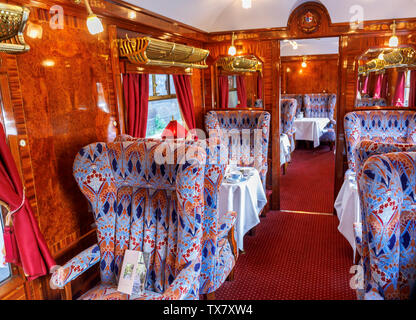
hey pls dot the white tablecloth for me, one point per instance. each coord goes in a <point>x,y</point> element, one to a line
<point>284,149</point>
<point>347,206</point>
<point>247,198</point>
<point>310,129</point>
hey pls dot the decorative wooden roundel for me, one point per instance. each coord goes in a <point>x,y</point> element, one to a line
<point>309,21</point>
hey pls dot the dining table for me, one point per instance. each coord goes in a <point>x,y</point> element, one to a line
<point>310,129</point>
<point>245,196</point>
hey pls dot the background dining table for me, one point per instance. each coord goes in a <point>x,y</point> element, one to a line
<point>310,129</point>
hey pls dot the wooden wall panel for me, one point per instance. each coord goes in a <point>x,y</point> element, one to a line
<point>320,75</point>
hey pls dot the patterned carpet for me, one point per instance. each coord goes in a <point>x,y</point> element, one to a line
<point>308,184</point>
<point>292,256</point>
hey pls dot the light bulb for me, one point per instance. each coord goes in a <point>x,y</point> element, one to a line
<point>232,51</point>
<point>393,41</point>
<point>94,24</point>
<point>304,64</point>
<point>246,4</point>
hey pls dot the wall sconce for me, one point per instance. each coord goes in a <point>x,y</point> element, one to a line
<point>232,50</point>
<point>94,24</point>
<point>393,41</point>
<point>34,31</point>
<point>304,65</point>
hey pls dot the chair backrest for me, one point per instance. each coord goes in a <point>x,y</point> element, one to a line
<point>297,97</point>
<point>141,204</point>
<point>215,167</point>
<point>387,195</point>
<point>319,105</point>
<point>226,123</point>
<point>370,102</point>
<point>380,126</point>
<point>288,109</point>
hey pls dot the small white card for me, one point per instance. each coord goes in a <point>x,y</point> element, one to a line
<point>133,275</point>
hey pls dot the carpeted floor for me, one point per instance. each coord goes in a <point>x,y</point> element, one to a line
<point>308,184</point>
<point>292,256</point>
<point>297,256</point>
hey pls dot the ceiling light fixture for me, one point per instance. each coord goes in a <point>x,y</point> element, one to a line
<point>304,65</point>
<point>94,24</point>
<point>393,41</point>
<point>246,4</point>
<point>232,50</point>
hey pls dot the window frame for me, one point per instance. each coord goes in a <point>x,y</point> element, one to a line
<point>155,96</point>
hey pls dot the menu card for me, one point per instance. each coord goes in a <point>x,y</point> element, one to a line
<point>133,275</point>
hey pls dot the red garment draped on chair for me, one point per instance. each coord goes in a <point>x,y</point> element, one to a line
<point>241,92</point>
<point>223,91</point>
<point>186,102</point>
<point>136,96</point>
<point>23,241</point>
<point>378,85</point>
<point>412,94</point>
<point>399,92</point>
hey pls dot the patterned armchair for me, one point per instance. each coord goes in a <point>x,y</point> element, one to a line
<point>322,105</point>
<point>378,126</point>
<point>242,124</point>
<point>297,97</point>
<point>288,109</point>
<point>141,205</point>
<point>388,249</point>
<point>219,249</point>
<point>370,102</point>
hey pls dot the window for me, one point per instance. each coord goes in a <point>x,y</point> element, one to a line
<point>232,92</point>
<point>4,267</point>
<point>407,88</point>
<point>163,105</point>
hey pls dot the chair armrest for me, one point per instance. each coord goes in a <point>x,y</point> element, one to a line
<point>75,267</point>
<point>225,223</point>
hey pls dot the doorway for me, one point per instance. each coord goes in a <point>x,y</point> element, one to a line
<point>309,79</point>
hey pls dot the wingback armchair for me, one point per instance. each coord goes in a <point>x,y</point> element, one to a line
<point>388,251</point>
<point>370,102</point>
<point>322,105</point>
<point>219,248</point>
<point>379,126</point>
<point>297,97</point>
<point>139,204</point>
<point>288,109</point>
<point>227,125</point>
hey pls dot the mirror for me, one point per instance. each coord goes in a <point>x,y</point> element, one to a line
<point>386,77</point>
<point>239,82</point>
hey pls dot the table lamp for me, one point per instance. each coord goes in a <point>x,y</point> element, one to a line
<point>174,130</point>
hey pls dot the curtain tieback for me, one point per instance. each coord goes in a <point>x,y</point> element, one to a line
<point>9,217</point>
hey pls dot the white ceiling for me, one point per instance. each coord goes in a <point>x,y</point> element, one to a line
<point>225,15</point>
<point>310,47</point>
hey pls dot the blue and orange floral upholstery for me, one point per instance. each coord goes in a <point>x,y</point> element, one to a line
<point>388,245</point>
<point>379,126</point>
<point>322,105</point>
<point>370,102</point>
<point>139,204</point>
<point>219,252</point>
<point>288,109</point>
<point>297,97</point>
<point>228,125</point>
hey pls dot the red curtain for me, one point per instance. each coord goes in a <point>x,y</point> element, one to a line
<point>184,94</point>
<point>23,241</point>
<point>399,92</point>
<point>259,86</point>
<point>241,92</point>
<point>223,91</point>
<point>136,96</point>
<point>412,93</point>
<point>365,85</point>
<point>377,87</point>
<point>384,86</point>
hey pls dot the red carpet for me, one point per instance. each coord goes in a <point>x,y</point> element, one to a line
<point>292,257</point>
<point>308,184</point>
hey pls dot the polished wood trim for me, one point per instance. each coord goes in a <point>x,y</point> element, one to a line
<point>309,57</point>
<point>275,126</point>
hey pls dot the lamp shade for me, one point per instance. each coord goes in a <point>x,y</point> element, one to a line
<point>174,130</point>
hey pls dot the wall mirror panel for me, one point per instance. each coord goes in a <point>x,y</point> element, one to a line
<point>239,82</point>
<point>385,77</point>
